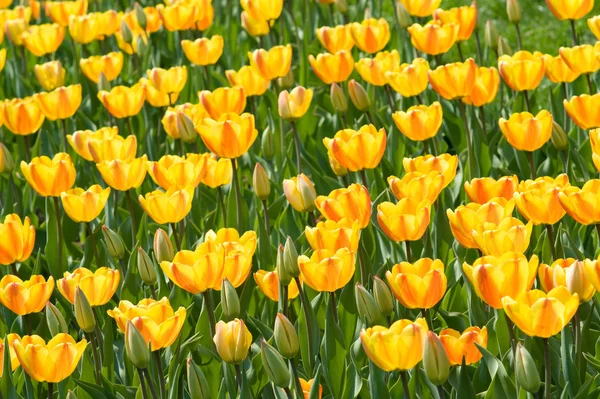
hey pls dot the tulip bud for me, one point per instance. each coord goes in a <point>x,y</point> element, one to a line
<point>146,267</point>
<point>559,137</point>
<point>286,81</point>
<point>114,243</point>
<point>103,83</point>
<point>140,15</point>
<point>383,296</point>
<point>503,47</point>
<point>126,33</point>
<point>136,348</point>
<point>185,127</point>
<point>84,314</point>
<point>338,99</point>
<point>290,260</point>
<point>358,95</point>
<point>366,305</point>
<point>267,144</point>
<point>274,365</point>
<point>575,279</point>
<point>513,10</point>
<point>55,320</point>
<point>435,360</point>
<point>308,195</point>
<point>286,337</point>
<point>284,277</point>
<point>342,6</point>
<point>526,373</point>
<point>70,395</point>
<point>230,301</point>
<point>404,18</point>
<point>140,46</point>
<point>197,383</point>
<point>7,163</point>
<point>163,247</point>
<point>261,183</point>
<point>491,35</point>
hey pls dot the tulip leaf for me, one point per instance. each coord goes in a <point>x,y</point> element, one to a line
<point>465,389</point>
<point>567,352</point>
<point>496,368</point>
<point>314,389</point>
<point>7,387</point>
<point>56,265</point>
<point>333,353</point>
<point>308,332</point>
<point>95,391</point>
<point>377,386</point>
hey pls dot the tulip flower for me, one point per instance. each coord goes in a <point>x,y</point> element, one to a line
<point>326,270</point>
<point>177,16</point>
<point>537,200</point>
<point>465,17</point>
<point>268,10</point>
<point>107,23</point>
<point>495,277</point>
<point>527,132</point>
<point>435,37</point>
<point>330,68</point>
<point>371,35</point>
<point>131,47</point>
<point>152,16</point>
<point>594,25</point>
<point>461,347</point>
<point>232,341</point>
<point>25,297</point>
<point>595,144</point>
<point>571,9</point>
<point>203,51</point>
<point>335,38</point>
<point>204,14</point>
<point>230,136</point>
<point>49,177</point>
<point>22,116</point>
<point>123,175</point>
<point>418,186</point>
<point>486,86</point>
<point>43,39</point>
<point>123,101</point>
<point>52,362</point>
<point>98,286</point>
<point>582,205</point>
<point>249,79</point>
<point>373,70</point>
<point>484,189</point>
<point>409,79</point>
<point>268,282</point>
<point>223,100</point>
<point>399,347</point>
<point>60,11</point>
<point>419,122</point>
<point>18,239</point>
<point>83,28</point>
<point>300,193</point>
<point>116,147</point>
<point>523,70</point>
<point>14,29</point>
<point>81,139</point>
<point>405,221</point>
<point>582,108</point>
<point>333,235</point>
<point>172,171</point>
<point>353,203</point>
<point>50,75</point>
<point>168,81</point>
<point>358,149</point>
<point>110,65</point>
<point>581,59</point>
<point>455,80</point>
<point>84,205</point>
<point>294,104</point>
<point>510,235</point>
<point>253,25</point>
<point>421,8</point>
<point>168,207</point>
<point>418,285</point>
<point>155,320</point>
<point>444,164</point>
<point>61,103</point>
<point>307,388</point>
<point>216,172</point>
<point>156,97</point>
<point>558,71</point>
<point>591,269</point>
<point>272,64</point>
<point>175,129</point>
<point>563,272</point>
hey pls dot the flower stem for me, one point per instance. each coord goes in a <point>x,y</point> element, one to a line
<point>97,365</point>
<point>440,388</point>
<point>130,126</point>
<point>308,323</point>
<point>238,378</point>
<point>50,390</point>
<point>573,33</point>
<point>176,236</point>
<point>144,389</point>
<point>161,374</point>
<point>405,384</point>
<point>589,83</point>
<point>370,117</point>
<point>63,135</point>
<point>547,363</point>
<point>57,214</point>
<point>288,393</point>
<point>132,216</point>
<point>334,307</point>
<point>222,203</point>
<point>238,194</point>
<point>479,57</point>
<point>90,234</point>
<point>407,247</point>
<point>482,117</point>
<point>150,383</point>
<point>527,103</point>
<point>511,334</point>
<point>519,41</point>
<point>551,239</point>
<point>531,164</point>
<point>363,177</point>
<point>390,98</point>
<point>266,218</point>
<point>298,386</point>
<point>297,145</point>
<point>211,312</point>
<point>460,53</point>
<point>470,159</point>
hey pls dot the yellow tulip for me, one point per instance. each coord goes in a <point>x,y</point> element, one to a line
<point>461,347</point>
<point>43,39</point>
<point>435,37</point>
<point>110,65</point>
<point>18,239</point>
<point>223,100</point>
<point>266,9</point>
<point>14,29</point>
<point>153,20</point>
<point>60,11</point>
<point>294,104</point>
<point>81,139</point>
<point>417,186</point>
<point>594,25</point>
<point>570,9</point>
<point>582,110</point>
<point>419,122</point>
<point>326,270</point>
<point>168,207</point>
<point>203,51</point>
<point>238,252</point>
<point>373,70</point>
<point>399,347</point>
<point>98,286</point>
<point>456,80</point>
<point>25,297</point>
<point>591,269</point>
<point>178,16</point>
<point>583,205</point>
<point>371,35</point>
<point>232,341</point>
<point>527,132</point>
<point>132,47</point>
<point>333,235</point>
<point>508,274</point>
<point>353,203</point>
<point>123,101</point>
<point>405,221</point>
<point>569,273</point>
<point>595,144</point>
<point>253,25</point>
<point>581,59</point>
<point>123,175</point>
<point>83,28</point>
<point>558,71</point>
<point>510,235</point>
<point>444,164</point>
<point>300,193</point>
<point>116,147</point>
<point>418,285</point>
<point>8,344</point>
<point>50,75</point>
<point>249,79</point>
<point>230,136</point>
<point>155,97</point>
<point>358,149</point>
<point>537,200</point>
<point>335,38</point>
<point>331,68</point>
<point>307,387</point>
<point>84,205</point>
<point>487,81</point>
<point>216,172</point>
<point>61,103</point>
<point>172,171</point>
<point>484,189</point>
<point>22,116</point>
<point>107,23</point>
<point>204,15</point>
<point>421,8</point>
<point>465,17</point>
<point>409,79</point>
<point>523,70</point>
<point>274,63</point>
<point>170,80</point>
<point>268,282</point>
<point>49,177</point>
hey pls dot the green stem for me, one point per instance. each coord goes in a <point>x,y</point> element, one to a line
<point>144,389</point>
<point>57,214</point>
<point>176,236</point>
<point>266,218</point>
<point>519,42</point>
<point>50,390</point>
<point>307,320</point>
<point>370,117</point>
<point>527,103</point>
<point>97,366</point>
<point>531,164</point>
<point>363,177</point>
<point>551,239</point>
<point>130,126</point>
<point>90,234</point>
<point>134,228</point>
<point>460,53</point>
<point>238,378</point>
<point>334,307</point>
<point>63,135</point>
<point>479,57</point>
<point>222,203</point>
<point>297,385</point>
<point>238,194</point>
<point>577,334</point>
<point>573,33</point>
<point>150,383</point>
<point>297,145</point>
<point>511,334</point>
<point>470,159</point>
<point>589,83</point>
<point>390,98</point>
<point>210,311</point>
<point>161,374</point>
<point>288,393</point>
<point>547,363</point>
<point>405,384</point>
<point>407,247</point>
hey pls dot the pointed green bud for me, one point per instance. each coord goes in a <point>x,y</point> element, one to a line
<point>55,320</point>
<point>342,6</point>
<point>491,35</point>
<point>146,267</point>
<point>136,348</point>
<point>358,96</point>
<point>185,127</point>
<point>274,365</point>
<point>141,46</point>
<point>503,47</point>
<point>435,360</point>
<point>140,15</point>
<point>513,10</point>
<point>103,83</point>
<point>70,395</point>
<point>338,98</point>
<point>559,137</point>
<point>126,32</point>
<point>7,163</point>
<point>367,307</point>
<point>308,194</point>
<point>260,182</point>
<point>290,259</point>
<point>230,301</point>
<point>114,243</point>
<point>286,337</point>
<point>84,314</point>
<point>267,144</point>
<point>526,372</point>
<point>197,383</point>
<point>282,273</point>
<point>287,81</point>
<point>383,296</point>
<point>404,18</point>
<point>163,247</point>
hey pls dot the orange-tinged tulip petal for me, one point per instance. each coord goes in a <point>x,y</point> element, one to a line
<point>465,17</point>
<point>563,272</point>
<point>595,144</point>
<point>153,20</point>
<point>333,235</point>
<point>358,149</point>
<point>123,101</point>
<point>462,346</point>
<point>594,25</point>
<point>435,37</point>
<point>84,205</point>
<point>43,39</point>
<point>537,200</point>
<point>170,80</point>
<point>230,136</point>
<point>168,207</point>
<point>274,63</point>
<point>249,79</point>
<point>84,28</point>
<point>581,59</point>
<point>61,103</point>
<point>335,38</point>
<point>591,269</point>
<point>232,341</point>
<point>510,235</point>
<point>110,65</point>
<point>50,75</point>
<point>371,35</point>
<point>421,8</point>
<point>50,177</point>
<point>417,186</point>
<point>326,270</point>
<point>197,271</point>
<point>484,189</point>
<point>558,71</point>
<point>238,252</point>
<point>22,116</point>
<point>294,104</point>
<point>570,9</point>
<point>307,387</point>
<point>203,51</point>
<point>582,110</point>
<point>172,171</point>
<point>18,239</point>
<point>217,172</point>
<point>123,175</point>
<point>523,70</point>
<point>60,11</point>
<point>254,25</point>
<point>353,203</point>
<point>418,285</point>
<point>583,205</point>
<point>293,189</point>
<point>107,23</point>
<point>98,286</point>
<point>405,221</point>
<point>116,147</point>
<point>486,86</point>
<point>373,70</point>
<point>14,29</point>
<point>332,68</point>
<point>180,15</point>
<point>419,122</point>
<point>527,132</point>
<point>456,80</point>
<point>445,164</point>
<point>268,282</point>
<point>223,100</point>
<point>409,79</point>
<point>81,139</point>
<point>25,297</point>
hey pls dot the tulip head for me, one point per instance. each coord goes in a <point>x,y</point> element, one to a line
<point>405,221</point>
<point>527,132</point>
<point>338,99</point>
<point>435,360</point>
<point>335,38</point>
<point>487,81</point>
<point>7,163</point>
<point>268,282</point>
<point>334,235</point>
<point>232,341</point>
<point>409,79</point>
<point>537,200</point>
<point>373,70</point>
<point>491,35</point>
<point>43,39</point>
<point>274,365</point>
<point>569,273</point>
<point>300,193</point>
<point>526,373</point>
<point>25,297</point>
<point>249,79</point>
<point>230,136</point>
<point>50,75</point>
<point>523,70</point>
<point>294,104</point>
<point>419,122</point>
<point>61,103</point>
<point>454,81</point>
<point>83,311</point>
<point>197,382</point>
<point>461,348</point>
<point>289,269</point>
<point>513,10</point>
<point>253,25</point>
<point>581,110</point>
<point>353,203</point>
<point>332,68</point>
<point>163,247</point>
<point>326,270</point>
<point>203,51</point>
<point>146,268</point>
<point>420,8</point>
<point>122,101</point>
<point>417,185</point>
<point>49,177</point>
<point>444,164</point>
<point>55,320</point>
<point>358,96</point>
<point>272,64</point>
<point>435,37</point>
<point>84,205</point>
<point>22,116</point>
<point>465,17</point>
<point>358,149</point>
<point>574,9</point>
<point>135,347</point>
<point>18,239</point>
<point>123,175</point>
<point>418,285</point>
<point>98,286</point>
<point>582,205</point>
<point>169,206</point>
<point>510,235</point>
<point>367,306</point>
<point>484,189</point>
<point>371,35</point>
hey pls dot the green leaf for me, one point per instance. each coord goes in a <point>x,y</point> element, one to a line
<point>333,354</point>
<point>568,362</point>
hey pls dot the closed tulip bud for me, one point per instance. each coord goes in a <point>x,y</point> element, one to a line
<point>294,104</point>
<point>282,273</point>
<point>185,128</point>
<point>141,45</point>
<point>526,372</point>
<point>114,243</point>
<point>286,337</point>
<point>83,312</point>
<point>274,365</point>
<point>308,194</point>
<point>232,340</point>
<point>576,281</point>
<point>230,301</point>
<point>7,163</point>
<point>435,360</point>
<point>559,138</point>
<point>136,348</point>
<point>290,259</point>
<point>358,95</point>
<point>55,320</point>
<point>261,183</point>
<point>367,306</point>
<point>503,47</point>
<point>126,33</point>
<point>342,6</point>
<point>146,267</point>
<point>338,98</point>
<point>286,81</point>
<point>103,83</point>
<point>140,15</point>
<point>300,193</point>
<point>267,144</point>
<point>163,247</point>
<point>383,296</point>
<point>491,35</point>
<point>513,10</point>
<point>197,383</point>
<point>71,395</point>
<point>404,18</point>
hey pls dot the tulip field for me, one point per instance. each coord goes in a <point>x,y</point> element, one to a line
<point>303,199</point>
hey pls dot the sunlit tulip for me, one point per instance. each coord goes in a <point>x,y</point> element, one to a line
<point>268,282</point>
<point>25,297</point>
<point>14,29</point>
<point>417,186</point>
<point>409,79</point>
<point>81,139</point>
<point>523,70</point>
<point>170,80</point>
<point>273,63</point>
<point>465,17</point>
<point>123,101</point>
<point>307,387</point>
<point>527,132</point>
<point>570,9</point>
<point>249,79</point>
<point>335,38</point>
<point>18,12</point>
<point>172,171</point>
<point>122,175</point>
<point>445,164</point>
<point>98,286</point>
<point>84,28</point>
<point>204,14</point>
<point>131,47</point>
<point>50,75</point>
<point>180,15</point>
<point>558,71</point>
<point>195,112</point>
<point>373,70</point>
<point>456,80</point>
<point>217,172</point>
<point>582,110</point>
<point>84,205</point>
<point>418,285</point>
<point>52,362</point>
<point>155,97</point>
<point>155,320</point>
<point>562,272</point>
<point>49,177</point>
<point>326,270</point>
<point>203,51</point>
<point>399,347</point>
<point>223,100</point>
<point>591,269</point>
<point>594,25</point>
<point>333,235</point>
<point>419,122</point>
<point>230,136</point>
<point>331,68</point>
<point>294,104</point>
<point>153,20</point>
<point>510,235</point>
<point>353,203</point>
<point>22,116</point>
<point>267,9</point>
<point>581,59</point>
<point>18,239</point>
<point>461,347</point>
<point>116,147</point>
<point>232,341</point>
<point>43,39</point>
<point>421,8</point>
<point>487,81</point>
<point>435,37</point>
<point>537,200</point>
<point>595,145</point>
<point>253,25</point>
<point>583,205</point>
<point>358,149</point>
<point>60,11</point>
<point>484,189</point>
<point>196,271</point>
<point>110,65</point>
<point>371,35</point>
<point>405,221</point>
<point>300,193</point>
<point>107,23</point>
<point>508,274</point>
<point>168,207</point>
<point>61,103</point>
